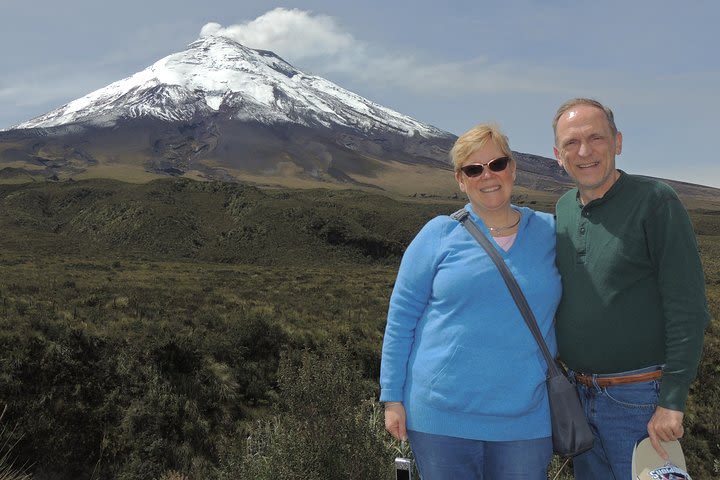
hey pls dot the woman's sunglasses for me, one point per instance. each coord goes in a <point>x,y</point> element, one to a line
<point>476,169</point>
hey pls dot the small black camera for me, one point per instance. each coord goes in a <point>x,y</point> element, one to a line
<point>403,469</point>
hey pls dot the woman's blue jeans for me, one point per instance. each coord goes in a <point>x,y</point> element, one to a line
<point>618,416</point>
<point>440,457</point>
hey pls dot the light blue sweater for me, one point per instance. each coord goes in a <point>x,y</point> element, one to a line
<point>456,350</point>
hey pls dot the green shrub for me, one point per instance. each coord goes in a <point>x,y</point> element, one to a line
<point>326,426</point>
<point>92,403</point>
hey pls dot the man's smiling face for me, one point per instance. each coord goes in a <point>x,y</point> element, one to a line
<point>585,147</point>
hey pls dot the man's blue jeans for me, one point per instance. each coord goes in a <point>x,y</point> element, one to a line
<point>618,415</point>
<point>440,457</point>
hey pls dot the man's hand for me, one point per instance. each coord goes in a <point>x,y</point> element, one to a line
<point>395,420</point>
<point>665,425</point>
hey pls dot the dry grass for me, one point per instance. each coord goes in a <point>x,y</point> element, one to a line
<point>8,471</point>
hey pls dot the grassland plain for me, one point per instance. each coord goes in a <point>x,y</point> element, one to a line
<point>149,330</point>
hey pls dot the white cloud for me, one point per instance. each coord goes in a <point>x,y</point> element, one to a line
<point>317,44</point>
<point>9,92</point>
<point>294,33</point>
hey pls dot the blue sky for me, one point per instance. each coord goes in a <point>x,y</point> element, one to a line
<point>452,64</point>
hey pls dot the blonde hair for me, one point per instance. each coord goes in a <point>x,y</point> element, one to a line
<point>475,138</point>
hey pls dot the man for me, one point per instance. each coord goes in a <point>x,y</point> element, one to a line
<point>631,320</point>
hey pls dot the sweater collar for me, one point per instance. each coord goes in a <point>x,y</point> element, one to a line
<point>614,189</point>
<point>521,210</point>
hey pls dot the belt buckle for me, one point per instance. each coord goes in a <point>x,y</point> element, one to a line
<point>583,379</point>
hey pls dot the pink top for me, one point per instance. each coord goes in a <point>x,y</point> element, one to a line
<point>505,242</point>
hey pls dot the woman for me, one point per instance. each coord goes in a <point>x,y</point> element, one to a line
<point>461,374</point>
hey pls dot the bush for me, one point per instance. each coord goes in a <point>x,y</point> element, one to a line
<point>326,426</point>
<point>131,405</point>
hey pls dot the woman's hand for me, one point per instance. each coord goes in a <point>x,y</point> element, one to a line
<point>395,420</point>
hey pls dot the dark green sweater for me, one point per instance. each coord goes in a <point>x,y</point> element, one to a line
<point>633,285</point>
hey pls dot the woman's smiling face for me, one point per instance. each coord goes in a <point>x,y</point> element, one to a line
<point>489,191</point>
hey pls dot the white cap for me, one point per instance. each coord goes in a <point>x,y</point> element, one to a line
<point>648,465</point>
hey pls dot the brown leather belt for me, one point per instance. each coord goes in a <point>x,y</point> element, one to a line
<point>610,381</point>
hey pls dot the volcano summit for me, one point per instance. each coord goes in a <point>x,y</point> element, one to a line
<point>220,110</point>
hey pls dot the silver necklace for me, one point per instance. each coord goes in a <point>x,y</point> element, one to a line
<point>499,229</point>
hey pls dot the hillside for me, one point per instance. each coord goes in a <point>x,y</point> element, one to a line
<point>228,222</point>
<point>172,327</point>
<point>208,221</point>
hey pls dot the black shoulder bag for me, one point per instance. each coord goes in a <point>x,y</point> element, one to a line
<point>571,434</point>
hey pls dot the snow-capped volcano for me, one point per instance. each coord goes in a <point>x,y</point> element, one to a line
<point>218,75</point>
<point>219,110</point>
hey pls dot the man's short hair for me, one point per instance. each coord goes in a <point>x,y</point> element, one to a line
<point>584,101</point>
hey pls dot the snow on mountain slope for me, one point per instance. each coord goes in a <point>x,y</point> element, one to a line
<point>217,76</point>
